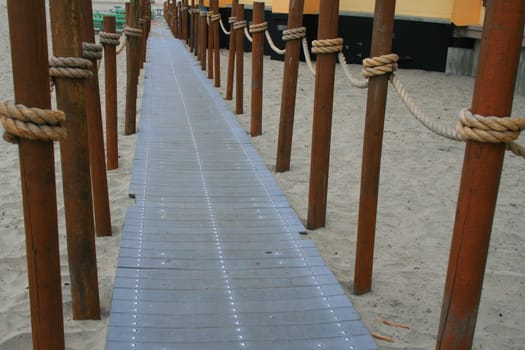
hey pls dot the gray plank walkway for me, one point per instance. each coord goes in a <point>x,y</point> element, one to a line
<point>211,256</point>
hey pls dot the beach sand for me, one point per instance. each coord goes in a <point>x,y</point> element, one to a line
<point>418,192</point>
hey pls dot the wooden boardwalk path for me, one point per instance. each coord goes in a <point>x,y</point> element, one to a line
<point>211,256</point>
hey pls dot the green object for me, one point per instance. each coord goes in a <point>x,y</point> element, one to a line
<point>117,11</point>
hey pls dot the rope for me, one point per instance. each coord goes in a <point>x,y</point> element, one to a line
<point>209,15</point>
<point>327,46</point>
<point>92,51</point>
<point>109,38</point>
<point>134,32</point>
<point>20,121</point>
<point>258,27</point>
<point>272,45</point>
<point>223,29</point>
<point>379,65</point>
<point>232,20</point>
<point>247,35</point>
<point>307,56</point>
<point>121,47</point>
<point>239,25</point>
<point>216,17</point>
<point>355,82</point>
<point>70,67</point>
<point>294,33</point>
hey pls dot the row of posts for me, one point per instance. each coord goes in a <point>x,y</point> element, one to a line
<point>83,162</point>
<point>500,50</point>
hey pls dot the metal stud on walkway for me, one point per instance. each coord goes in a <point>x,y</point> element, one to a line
<point>211,257</point>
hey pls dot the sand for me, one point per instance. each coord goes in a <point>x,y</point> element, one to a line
<point>418,192</point>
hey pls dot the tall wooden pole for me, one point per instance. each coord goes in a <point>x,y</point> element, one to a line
<point>203,33</point>
<point>322,118</point>
<point>192,26</point>
<point>216,43</point>
<point>110,73</point>
<point>493,94</point>
<point>74,149</point>
<point>184,20</point>
<point>133,63</point>
<point>29,61</point>
<point>257,71</point>
<point>231,55</point>
<point>239,69</point>
<point>372,146</point>
<point>196,19</point>
<point>99,181</point>
<point>211,38</point>
<point>289,90</point>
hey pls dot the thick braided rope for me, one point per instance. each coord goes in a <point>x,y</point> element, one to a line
<point>109,38</point>
<point>247,34</point>
<point>327,46</point>
<point>272,45</point>
<point>355,82</point>
<point>70,67</point>
<point>294,33</point>
<point>226,32</point>
<point>258,27</point>
<point>203,13</point>
<point>20,121</point>
<point>232,19</point>
<point>379,65</point>
<point>216,17</point>
<point>92,51</point>
<point>132,32</point>
<point>239,25</point>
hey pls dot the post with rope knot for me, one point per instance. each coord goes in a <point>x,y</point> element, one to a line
<point>99,182</point>
<point>257,29</point>
<point>214,4</point>
<point>239,58</point>
<point>133,55</point>
<point>203,38</point>
<point>493,92</point>
<point>231,52</point>
<point>209,16</point>
<point>70,71</point>
<point>372,145</point>
<point>292,35</point>
<point>110,40</point>
<point>326,47</point>
<point>29,58</point>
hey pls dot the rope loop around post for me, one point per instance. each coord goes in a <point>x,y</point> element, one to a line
<point>70,67</point>
<point>488,129</point>
<point>216,17</point>
<point>109,38</point>
<point>92,51</point>
<point>294,33</point>
<point>259,27</point>
<point>232,19</point>
<point>327,46</point>
<point>36,124</point>
<point>132,32</point>
<point>239,24</point>
<point>381,65</point>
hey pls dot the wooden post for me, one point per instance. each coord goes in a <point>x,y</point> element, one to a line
<point>231,55</point>
<point>191,29</point>
<point>372,145</point>
<point>71,98</point>
<point>289,90</point>
<point>110,72</point>
<point>203,33</point>
<point>196,18</point>
<point>239,73</point>
<point>322,118</point>
<point>214,4</point>
<point>210,43</point>
<point>142,25</point>
<point>177,21</point>
<point>184,20</point>
<point>493,94</point>
<point>132,59</point>
<point>29,58</point>
<point>257,71</point>
<point>99,181</point>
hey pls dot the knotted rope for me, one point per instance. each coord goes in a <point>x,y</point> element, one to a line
<point>239,25</point>
<point>109,38</point>
<point>216,17</point>
<point>92,51</point>
<point>259,27</point>
<point>132,32</point>
<point>294,33</point>
<point>70,67</point>
<point>232,19</point>
<point>209,15</point>
<point>20,121</point>
<point>327,46</point>
<point>379,65</point>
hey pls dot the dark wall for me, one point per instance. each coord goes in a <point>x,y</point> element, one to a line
<point>420,45</point>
